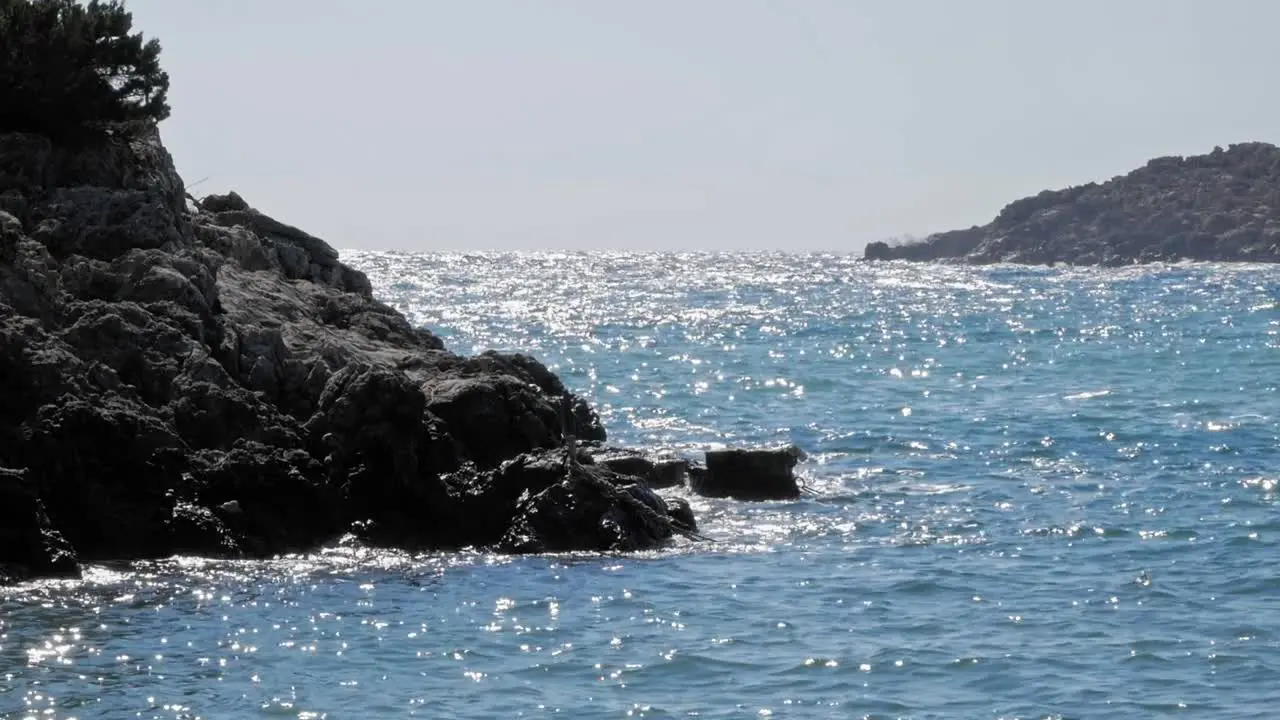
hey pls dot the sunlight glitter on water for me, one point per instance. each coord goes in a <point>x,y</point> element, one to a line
<point>1076,519</point>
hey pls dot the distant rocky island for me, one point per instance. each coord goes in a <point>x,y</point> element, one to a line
<point>1223,206</point>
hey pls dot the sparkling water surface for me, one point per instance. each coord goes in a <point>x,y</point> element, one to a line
<point>1039,493</point>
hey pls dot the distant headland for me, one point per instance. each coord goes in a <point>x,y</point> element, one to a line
<point>1223,206</point>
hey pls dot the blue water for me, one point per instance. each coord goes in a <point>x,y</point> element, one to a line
<point>1040,494</point>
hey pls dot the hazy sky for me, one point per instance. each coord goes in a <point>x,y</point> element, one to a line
<point>533,124</point>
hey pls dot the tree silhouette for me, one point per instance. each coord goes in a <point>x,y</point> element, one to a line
<point>74,71</point>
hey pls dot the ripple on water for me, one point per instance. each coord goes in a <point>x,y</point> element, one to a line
<point>1036,493</point>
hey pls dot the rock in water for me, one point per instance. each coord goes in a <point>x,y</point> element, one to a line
<point>197,530</point>
<point>200,377</point>
<point>749,474</point>
<point>681,515</point>
<point>658,472</point>
<point>590,508</point>
<point>542,502</point>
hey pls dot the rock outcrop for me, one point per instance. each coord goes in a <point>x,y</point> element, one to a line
<point>764,474</point>
<point>548,502</point>
<point>181,376</point>
<point>1223,206</point>
<point>657,471</point>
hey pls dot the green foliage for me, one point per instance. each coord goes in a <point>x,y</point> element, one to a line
<point>74,71</point>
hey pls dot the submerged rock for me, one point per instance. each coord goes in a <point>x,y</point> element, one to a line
<point>750,474</point>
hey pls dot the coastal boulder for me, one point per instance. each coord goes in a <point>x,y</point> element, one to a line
<point>681,514</point>
<point>766,474</point>
<point>197,530</point>
<point>590,508</point>
<point>542,502</point>
<point>489,498</point>
<point>657,471</point>
<point>221,203</point>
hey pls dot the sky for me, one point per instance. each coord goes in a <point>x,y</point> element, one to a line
<point>691,124</point>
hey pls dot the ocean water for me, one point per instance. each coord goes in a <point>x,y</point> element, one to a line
<point>1037,493</point>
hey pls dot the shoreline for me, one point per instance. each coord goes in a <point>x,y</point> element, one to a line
<point>196,377</point>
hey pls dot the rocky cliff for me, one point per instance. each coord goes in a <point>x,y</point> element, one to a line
<point>198,377</point>
<point>1223,206</point>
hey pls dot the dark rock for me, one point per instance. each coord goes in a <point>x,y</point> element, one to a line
<point>210,412</point>
<point>697,475</point>
<point>31,547</point>
<point>681,514</point>
<point>106,469</point>
<point>878,250</point>
<point>222,203</point>
<point>589,509</point>
<point>538,502</point>
<point>292,252</point>
<point>271,500</point>
<point>627,464</point>
<point>667,473</point>
<point>750,474</point>
<point>31,163</point>
<point>370,420</point>
<point>496,415</point>
<point>1224,206</point>
<point>145,350</point>
<point>657,472</point>
<point>197,530</point>
<point>187,280</point>
<point>35,369</point>
<point>202,378</point>
<point>557,408</point>
<point>106,224</point>
<point>29,281</point>
<point>489,498</point>
<point>14,204</point>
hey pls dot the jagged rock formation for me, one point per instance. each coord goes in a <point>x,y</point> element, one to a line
<point>198,377</point>
<point>1223,206</point>
<point>563,502</point>
<point>658,472</point>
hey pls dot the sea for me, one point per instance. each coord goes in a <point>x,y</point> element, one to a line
<point>1032,493</point>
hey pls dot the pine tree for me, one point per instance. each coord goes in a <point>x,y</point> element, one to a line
<point>76,71</point>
